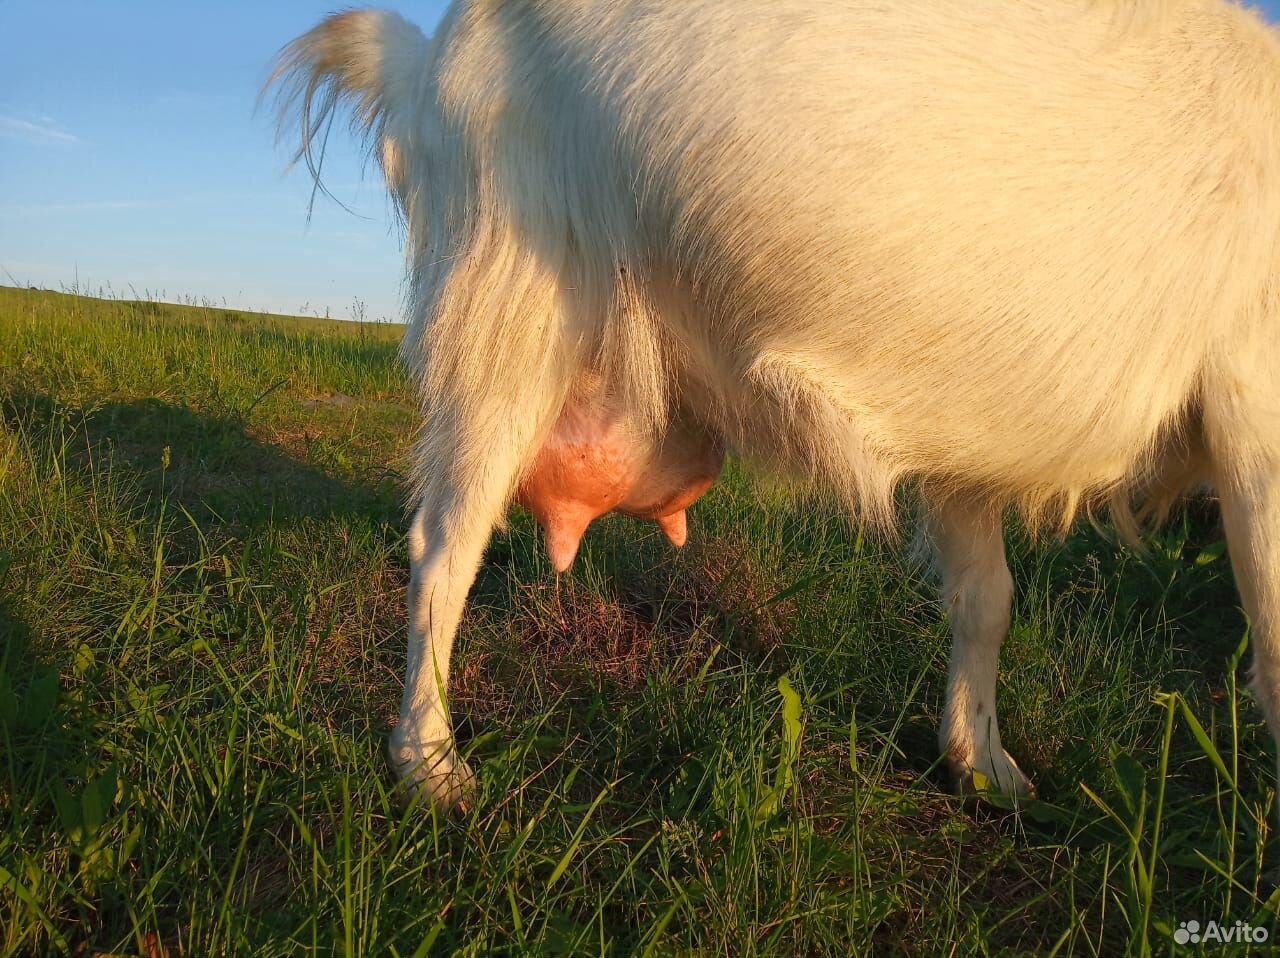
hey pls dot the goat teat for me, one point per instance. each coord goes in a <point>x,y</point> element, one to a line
<point>596,460</point>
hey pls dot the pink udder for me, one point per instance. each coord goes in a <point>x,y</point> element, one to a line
<point>593,463</point>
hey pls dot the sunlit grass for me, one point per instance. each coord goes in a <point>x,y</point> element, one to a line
<point>725,751</point>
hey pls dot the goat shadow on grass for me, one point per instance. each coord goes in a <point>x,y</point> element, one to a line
<point>162,462</point>
<point>158,460</point>
<point>45,736</point>
<point>209,466</point>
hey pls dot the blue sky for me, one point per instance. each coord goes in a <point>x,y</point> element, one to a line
<point>130,154</point>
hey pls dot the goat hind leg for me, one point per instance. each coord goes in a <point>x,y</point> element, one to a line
<point>977,591</point>
<point>472,471</point>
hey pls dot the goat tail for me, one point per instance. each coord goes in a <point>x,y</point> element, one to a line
<point>376,62</point>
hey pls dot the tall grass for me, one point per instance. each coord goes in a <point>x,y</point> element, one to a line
<point>729,750</point>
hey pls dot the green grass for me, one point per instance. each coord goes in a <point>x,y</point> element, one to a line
<point>725,751</point>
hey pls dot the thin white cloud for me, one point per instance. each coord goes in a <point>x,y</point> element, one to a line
<point>87,206</point>
<point>171,201</point>
<point>44,132</point>
<point>188,98</point>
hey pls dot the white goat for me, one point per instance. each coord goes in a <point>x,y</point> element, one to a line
<point>1017,252</point>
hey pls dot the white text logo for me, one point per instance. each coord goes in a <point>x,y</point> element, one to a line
<point>1191,933</point>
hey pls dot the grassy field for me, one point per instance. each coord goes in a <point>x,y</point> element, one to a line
<point>726,751</point>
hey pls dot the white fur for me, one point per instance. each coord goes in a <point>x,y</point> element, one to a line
<point>1018,252</point>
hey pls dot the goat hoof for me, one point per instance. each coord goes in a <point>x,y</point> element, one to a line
<point>435,773</point>
<point>992,775</point>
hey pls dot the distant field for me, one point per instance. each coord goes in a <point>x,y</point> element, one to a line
<point>201,594</point>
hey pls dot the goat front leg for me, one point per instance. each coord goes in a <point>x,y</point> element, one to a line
<point>977,591</point>
<point>1244,441</point>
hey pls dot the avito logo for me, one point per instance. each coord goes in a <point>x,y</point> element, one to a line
<point>1190,933</point>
